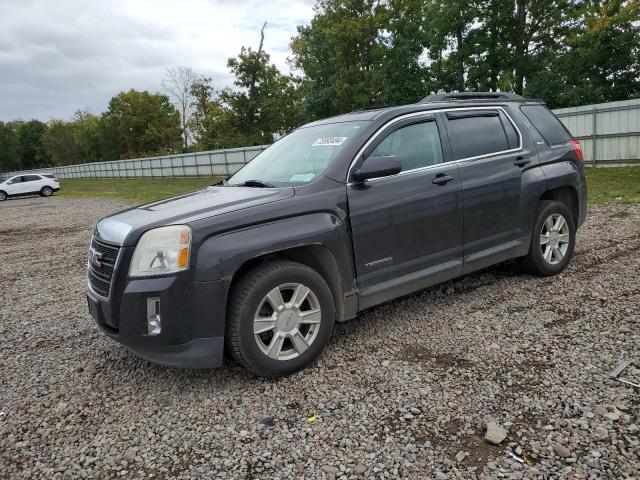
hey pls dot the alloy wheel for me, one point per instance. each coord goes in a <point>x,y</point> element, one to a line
<point>554,238</point>
<point>287,321</point>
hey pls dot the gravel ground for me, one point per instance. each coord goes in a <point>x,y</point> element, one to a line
<point>405,391</point>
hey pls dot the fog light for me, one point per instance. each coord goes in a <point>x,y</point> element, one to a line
<point>153,316</point>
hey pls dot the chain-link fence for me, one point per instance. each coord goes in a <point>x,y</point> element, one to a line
<point>216,163</point>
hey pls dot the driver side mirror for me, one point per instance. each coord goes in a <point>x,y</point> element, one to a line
<point>376,167</point>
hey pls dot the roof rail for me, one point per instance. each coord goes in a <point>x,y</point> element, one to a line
<point>370,107</point>
<point>443,97</point>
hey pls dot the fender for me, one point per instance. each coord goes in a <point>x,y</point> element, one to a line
<point>545,177</point>
<point>219,257</point>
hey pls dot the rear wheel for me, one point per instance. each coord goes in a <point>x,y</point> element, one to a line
<point>3,196</point>
<point>281,316</point>
<point>46,191</point>
<point>553,239</point>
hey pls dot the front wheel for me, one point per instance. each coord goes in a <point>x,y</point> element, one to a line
<point>553,239</point>
<point>3,196</point>
<point>281,316</point>
<point>46,191</point>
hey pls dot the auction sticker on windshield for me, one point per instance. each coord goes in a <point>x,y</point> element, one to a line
<point>329,141</point>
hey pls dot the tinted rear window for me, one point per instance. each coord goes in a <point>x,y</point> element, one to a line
<point>551,129</point>
<point>476,133</point>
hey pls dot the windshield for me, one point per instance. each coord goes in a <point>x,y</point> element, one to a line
<point>299,157</point>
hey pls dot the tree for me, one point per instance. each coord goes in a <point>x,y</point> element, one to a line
<point>139,124</point>
<point>31,146</point>
<point>60,143</point>
<point>600,61</point>
<point>402,74</point>
<point>9,146</point>
<point>263,104</point>
<point>89,136</point>
<point>179,84</point>
<point>450,25</point>
<point>340,53</point>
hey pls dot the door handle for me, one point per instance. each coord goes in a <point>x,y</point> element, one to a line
<point>441,179</point>
<point>521,161</point>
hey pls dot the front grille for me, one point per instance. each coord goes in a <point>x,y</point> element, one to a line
<point>101,265</point>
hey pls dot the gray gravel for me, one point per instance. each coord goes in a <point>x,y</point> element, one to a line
<point>405,391</point>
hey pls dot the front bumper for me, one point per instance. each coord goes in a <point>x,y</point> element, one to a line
<point>192,319</point>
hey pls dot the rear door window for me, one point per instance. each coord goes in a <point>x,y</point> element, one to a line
<point>476,132</point>
<point>551,129</point>
<point>31,178</point>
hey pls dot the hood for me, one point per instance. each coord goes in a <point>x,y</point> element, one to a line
<point>197,205</point>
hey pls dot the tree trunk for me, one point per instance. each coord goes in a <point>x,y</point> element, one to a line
<point>460,61</point>
<point>254,78</point>
<point>520,47</point>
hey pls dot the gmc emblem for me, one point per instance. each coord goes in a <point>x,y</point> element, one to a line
<point>94,258</point>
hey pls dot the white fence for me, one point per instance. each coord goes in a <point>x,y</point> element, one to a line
<point>609,134</point>
<point>216,163</point>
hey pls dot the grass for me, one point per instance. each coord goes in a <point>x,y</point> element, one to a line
<point>620,214</point>
<point>134,190</point>
<point>615,185</point>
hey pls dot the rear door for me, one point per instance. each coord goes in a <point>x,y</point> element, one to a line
<point>32,183</point>
<point>409,222</point>
<point>488,148</point>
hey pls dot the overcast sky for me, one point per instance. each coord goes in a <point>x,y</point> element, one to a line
<point>58,56</point>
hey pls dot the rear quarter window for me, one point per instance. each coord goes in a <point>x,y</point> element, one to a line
<point>551,129</point>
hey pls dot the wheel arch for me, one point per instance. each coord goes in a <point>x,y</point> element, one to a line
<point>566,194</point>
<point>315,256</point>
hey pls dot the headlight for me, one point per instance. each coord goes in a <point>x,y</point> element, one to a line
<point>162,250</point>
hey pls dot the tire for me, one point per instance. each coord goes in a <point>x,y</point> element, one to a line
<point>46,192</point>
<point>278,329</point>
<point>548,253</point>
<point>3,196</point>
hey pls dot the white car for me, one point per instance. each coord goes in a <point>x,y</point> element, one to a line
<point>31,184</point>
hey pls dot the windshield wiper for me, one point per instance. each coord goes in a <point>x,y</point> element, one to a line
<point>255,183</point>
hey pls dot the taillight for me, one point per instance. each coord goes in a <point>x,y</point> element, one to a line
<point>578,149</point>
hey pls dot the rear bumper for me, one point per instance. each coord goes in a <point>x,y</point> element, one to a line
<point>192,320</point>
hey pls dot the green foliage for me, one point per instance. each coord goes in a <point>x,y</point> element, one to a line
<point>140,124</point>
<point>263,105</point>
<point>600,61</point>
<point>340,53</point>
<point>60,142</point>
<point>33,153</point>
<point>9,147</point>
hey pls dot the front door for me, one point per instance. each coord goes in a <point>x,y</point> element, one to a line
<point>17,186</point>
<point>407,227</point>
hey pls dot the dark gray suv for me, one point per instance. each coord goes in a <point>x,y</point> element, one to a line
<point>340,215</point>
